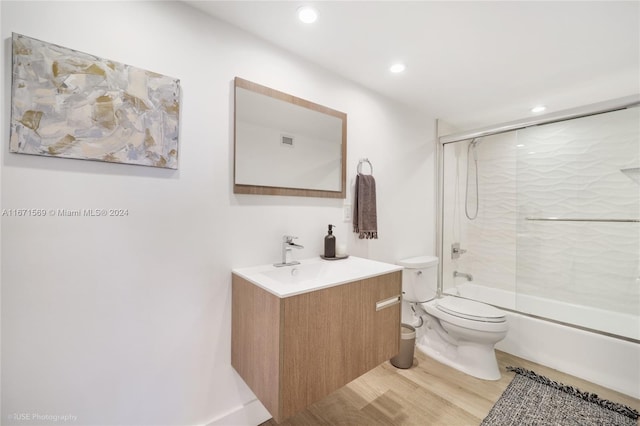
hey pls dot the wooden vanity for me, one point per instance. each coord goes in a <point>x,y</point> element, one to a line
<point>295,350</point>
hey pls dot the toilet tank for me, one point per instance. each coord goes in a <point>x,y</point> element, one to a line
<point>419,278</point>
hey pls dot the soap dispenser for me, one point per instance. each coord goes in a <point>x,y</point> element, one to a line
<point>330,243</point>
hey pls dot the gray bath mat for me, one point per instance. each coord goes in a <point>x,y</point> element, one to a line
<point>531,399</point>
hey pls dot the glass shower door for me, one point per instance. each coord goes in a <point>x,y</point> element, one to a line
<point>479,219</point>
<point>578,222</point>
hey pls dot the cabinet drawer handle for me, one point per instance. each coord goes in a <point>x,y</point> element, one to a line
<point>387,302</point>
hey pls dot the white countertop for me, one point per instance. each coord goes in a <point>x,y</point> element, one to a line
<point>313,274</point>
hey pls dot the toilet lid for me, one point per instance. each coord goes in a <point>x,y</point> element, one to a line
<point>470,309</point>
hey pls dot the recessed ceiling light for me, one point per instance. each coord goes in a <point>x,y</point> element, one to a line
<point>538,109</point>
<point>307,14</point>
<point>397,68</point>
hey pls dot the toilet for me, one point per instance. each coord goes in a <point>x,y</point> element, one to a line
<point>460,333</point>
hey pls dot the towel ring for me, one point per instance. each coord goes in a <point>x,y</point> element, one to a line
<point>364,160</point>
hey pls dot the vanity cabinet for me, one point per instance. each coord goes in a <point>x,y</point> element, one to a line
<point>295,350</point>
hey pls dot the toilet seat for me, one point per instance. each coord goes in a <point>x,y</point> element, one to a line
<point>470,309</point>
<point>480,318</point>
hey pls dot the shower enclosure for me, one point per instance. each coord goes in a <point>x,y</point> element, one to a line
<point>543,217</point>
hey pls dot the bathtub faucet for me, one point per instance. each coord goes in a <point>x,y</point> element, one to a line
<point>469,277</point>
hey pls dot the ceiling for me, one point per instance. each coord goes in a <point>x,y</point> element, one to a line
<point>471,64</point>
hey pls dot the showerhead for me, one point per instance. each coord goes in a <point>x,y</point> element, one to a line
<point>475,142</point>
<point>473,145</point>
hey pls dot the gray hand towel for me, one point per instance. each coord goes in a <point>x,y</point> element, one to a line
<point>365,218</point>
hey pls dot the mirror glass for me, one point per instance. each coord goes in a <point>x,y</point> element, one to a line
<point>286,145</point>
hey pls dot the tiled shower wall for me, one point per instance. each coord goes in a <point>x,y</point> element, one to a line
<point>566,170</point>
<point>572,170</point>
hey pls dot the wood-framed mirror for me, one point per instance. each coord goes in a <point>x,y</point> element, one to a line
<point>285,145</point>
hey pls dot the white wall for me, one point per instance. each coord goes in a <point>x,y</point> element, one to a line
<point>126,320</point>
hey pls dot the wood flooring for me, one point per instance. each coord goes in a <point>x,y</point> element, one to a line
<point>427,394</point>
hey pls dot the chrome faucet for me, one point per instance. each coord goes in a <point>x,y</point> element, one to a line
<point>287,247</point>
<point>469,277</point>
<point>456,251</point>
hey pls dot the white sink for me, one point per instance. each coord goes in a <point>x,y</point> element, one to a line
<point>313,274</point>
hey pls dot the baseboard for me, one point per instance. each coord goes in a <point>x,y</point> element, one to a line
<point>251,413</point>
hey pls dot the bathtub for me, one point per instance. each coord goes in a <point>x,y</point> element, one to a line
<point>610,361</point>
<point>608,322</point>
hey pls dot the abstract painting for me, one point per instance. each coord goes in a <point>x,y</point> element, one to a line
<point>71,104</point>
